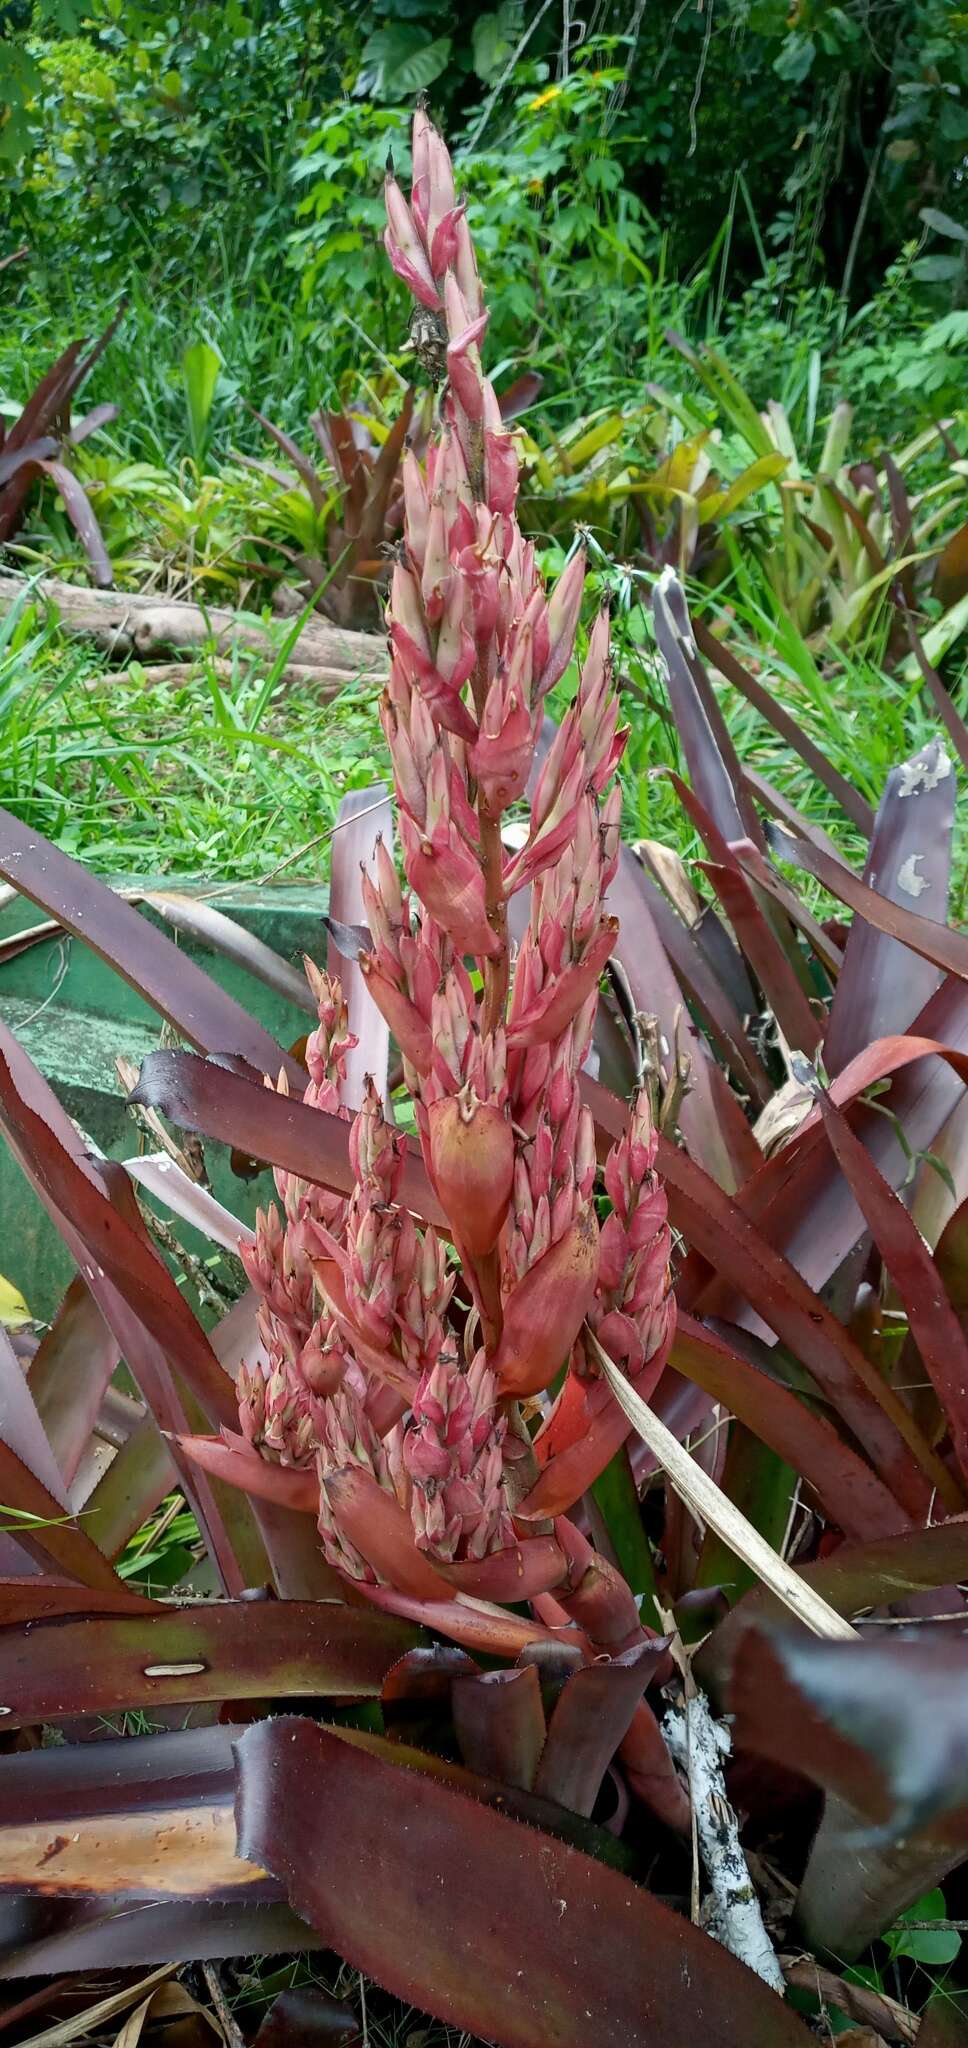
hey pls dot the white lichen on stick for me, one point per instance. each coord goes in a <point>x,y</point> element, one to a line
<point>698,1744</point>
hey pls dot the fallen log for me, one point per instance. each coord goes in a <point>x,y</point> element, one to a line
<point>126,624</point>
<point>327,682</point>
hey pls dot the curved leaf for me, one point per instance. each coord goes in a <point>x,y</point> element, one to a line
<point>590,1720</point>
<point>199,1095</point>
<point>937,1332</point>
<point>37,1522</point>
<point>364,816</point>
<point>880,987</point>
<point>69,1373</point>
<point>850,1493</point>
<point>21,1429</point>
<point>855,1578</point>
<point>725,1234</point>
<point>857,808</point>
<point>940,944</point>
<point>881,1726</point>
<point>150,962</point>
<point>489,1925</point>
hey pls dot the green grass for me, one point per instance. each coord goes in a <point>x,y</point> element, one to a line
<point>213,776</point>
<point>234,777</point>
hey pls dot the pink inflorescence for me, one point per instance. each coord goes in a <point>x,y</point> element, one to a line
<point>386,1353</point>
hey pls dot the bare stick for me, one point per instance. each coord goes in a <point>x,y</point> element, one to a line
<point>698,1744</point>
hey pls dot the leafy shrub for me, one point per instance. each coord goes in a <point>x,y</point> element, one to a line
<point>149,123</point>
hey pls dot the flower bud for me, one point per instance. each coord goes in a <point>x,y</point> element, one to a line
<point>564,610</point>
<point>546,1308</point>
<point>472,1161</point>
<point>405,248</point>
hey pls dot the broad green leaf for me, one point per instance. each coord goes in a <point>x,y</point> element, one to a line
<point>200,368</point>
<point>924,1945</point>
<point>618,1503</point>
<point>762,471</point>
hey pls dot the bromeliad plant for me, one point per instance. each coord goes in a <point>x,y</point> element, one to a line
<point>345,521</point>
<point>339,527</point>
<point>861,543</point>
<point>410,1435</point>
<point>38,444</point>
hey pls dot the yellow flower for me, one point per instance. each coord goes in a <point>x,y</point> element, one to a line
<point>551,92</point>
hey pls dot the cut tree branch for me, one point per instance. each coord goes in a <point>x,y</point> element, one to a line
<point>126,625</point>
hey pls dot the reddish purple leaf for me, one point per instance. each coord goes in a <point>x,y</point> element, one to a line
<point>780,806</point>
<point>590,1721</point>
<point>500,1725</point>
<point>768,959</point>
<point>49,1149</point>
<point>149,961</point>
<point>517,397</point>
<point>902,526</point>
<point>383,474</point>
<point>99,416</point>
<point>880,1724</point>
<point>799,1198</point>
<point>47,399</point>
<point>951,569</point>
<point>933,1324</point>
<point>42,1597</point>
<point>139,1476</point>
<point>944,2024</point>
<point>857,521</point>
<point>777,715</point>
<point>854,1579</point>
<point>15,459</point>
<point>793,907</point>
<point>69,1374</point>
<point>199,1095</point>
<point>135,1821</point>
<point>703,989</point>
<point>950,717</point>
<point>364,816</point>
<point>80,512</point>
<point>49,403</point>
<point>489,1925</point>
<point>849,1492</point>
<point>304,468</point>
<point>940,944</point>
<point>307,2019</point>
<point>52,1538</point>
<point>21,1429</point>
<point>712,760</point>
<point>498,1794</point>
<point>153,1324</point>
<point>723,1232</point>
<point>281,1650</point>
<point>880,987</point>
<point>711,1120</point>
<point>39,1934</point>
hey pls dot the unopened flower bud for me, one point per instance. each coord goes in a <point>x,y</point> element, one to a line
<point>472,1161</point>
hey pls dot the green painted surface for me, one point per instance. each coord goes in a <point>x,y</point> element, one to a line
<point>73,1014</point>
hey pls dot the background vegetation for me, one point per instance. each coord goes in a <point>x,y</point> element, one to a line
<point>785,184</point>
